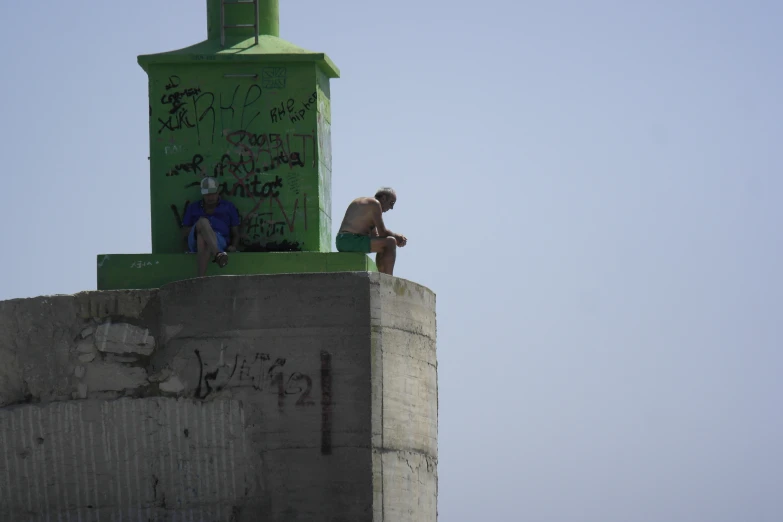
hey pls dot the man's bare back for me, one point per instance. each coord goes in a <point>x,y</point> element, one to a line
<point>360,217</point>
<point>363,229</point>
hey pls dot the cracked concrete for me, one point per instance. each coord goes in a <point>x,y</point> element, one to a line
<point>284,397</point>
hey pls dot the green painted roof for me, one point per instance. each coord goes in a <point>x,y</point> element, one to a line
<point>269,49</point>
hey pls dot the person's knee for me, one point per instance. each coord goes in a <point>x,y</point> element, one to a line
<point>202,222</point>
<point>390,244</point>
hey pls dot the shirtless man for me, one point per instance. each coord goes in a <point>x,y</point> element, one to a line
<point>362,229</point>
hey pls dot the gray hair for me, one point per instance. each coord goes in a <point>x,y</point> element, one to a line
<point>385,191</point>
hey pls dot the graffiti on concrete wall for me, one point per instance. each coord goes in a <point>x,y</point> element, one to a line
<point>259,371</point>
<point>265,373</point>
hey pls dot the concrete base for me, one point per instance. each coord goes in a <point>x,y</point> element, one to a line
<point>138,271</point>
<point>284,398</point>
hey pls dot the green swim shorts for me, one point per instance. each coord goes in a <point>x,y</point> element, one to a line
<point>347,242</point>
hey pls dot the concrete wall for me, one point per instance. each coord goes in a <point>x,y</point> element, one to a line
<point>280,398</point>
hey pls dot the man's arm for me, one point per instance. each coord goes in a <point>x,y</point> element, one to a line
<point>377,218</point>
<point>234,224</point>
<point>380,228</point>
<point>234,239</point>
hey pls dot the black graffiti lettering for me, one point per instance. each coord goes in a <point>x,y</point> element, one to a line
<point>258,140</point>
<point>193,165</point>
<point>275,228</point>
<point>176,122</point>
<point>205,377</point>
<point>177,99</point>
<point>165,125</point>
<point>227,108</point>
<point>253,145</point>
<point>225,164</point>
<point>273,246</point>
<point>279,363</point>
<point>299,115</point>
<point>286,107</point>
<point>281,109</point>
<point>206,108</point>
<point>255,184</point>
<point>249,187</point>
<point>304,399</point>
<point>211,377</point>
<point>277,378</point>
<point>268,190</point>
<point>253,370</point>
<point>261,225</point>
<point>173,83</point>
<point>254,225</point>
<point>177,214</point>
<point>276,113</point>
<point>275,142</point>
<point>175,106</point>
<point>295,160</point>
<point>310,101</point>
<point>251,229</point>
<point>246,104</point>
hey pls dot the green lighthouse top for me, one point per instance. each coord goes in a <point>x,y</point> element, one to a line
<point>253,113</point>
<point>268,16</point>
<point>232,36</point>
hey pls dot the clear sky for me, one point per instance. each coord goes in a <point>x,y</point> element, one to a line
<point>592,188</point>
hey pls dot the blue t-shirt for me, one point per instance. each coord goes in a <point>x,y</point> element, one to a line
<point>222,218</point>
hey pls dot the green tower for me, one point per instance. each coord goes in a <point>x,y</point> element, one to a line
<point>253,111</point>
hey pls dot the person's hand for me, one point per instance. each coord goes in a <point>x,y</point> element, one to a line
<point>231,248</point>
<point>401,240</point>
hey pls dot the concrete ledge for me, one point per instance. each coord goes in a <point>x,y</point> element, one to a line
<point>282,398</point>
<point>146,271</point>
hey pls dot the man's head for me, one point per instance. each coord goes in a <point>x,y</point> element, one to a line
<point>387,198</point>
<point>209,190</point>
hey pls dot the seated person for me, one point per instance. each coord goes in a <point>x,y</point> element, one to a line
<point>211,227</point>
<point>362,229</point>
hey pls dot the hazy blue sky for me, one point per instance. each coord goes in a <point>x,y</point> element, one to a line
<point>591,187</point>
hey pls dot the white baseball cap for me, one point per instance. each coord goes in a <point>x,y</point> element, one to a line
<point>209,186</point>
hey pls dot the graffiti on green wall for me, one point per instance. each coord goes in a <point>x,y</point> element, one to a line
<point>262,131</point>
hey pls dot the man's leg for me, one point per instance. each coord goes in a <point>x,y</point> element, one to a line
<point>207,245</point>
<point>386,248</point>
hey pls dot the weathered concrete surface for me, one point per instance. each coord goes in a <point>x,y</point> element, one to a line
<point>282,398</point>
